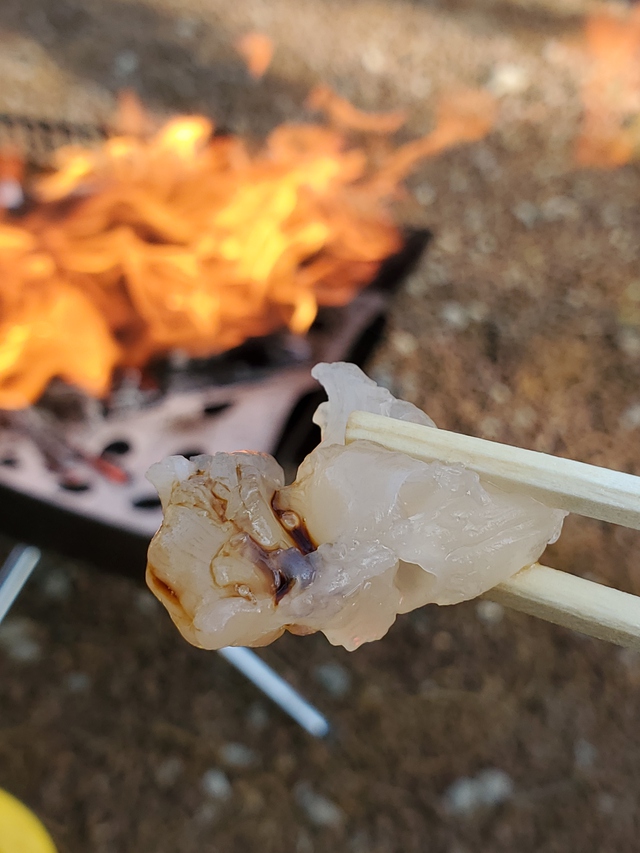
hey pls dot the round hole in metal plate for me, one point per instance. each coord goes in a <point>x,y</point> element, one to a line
<point>214,409</point>
<point>118,447</point>
<point>71,484</point>
<point>146,502</point>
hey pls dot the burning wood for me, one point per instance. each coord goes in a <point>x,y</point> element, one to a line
<point>61,456</point>
<point>181,240</point>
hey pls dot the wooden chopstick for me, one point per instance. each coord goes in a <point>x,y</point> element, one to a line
<point>549,594</point>
<point>574,602</point>
<point>562,483</point>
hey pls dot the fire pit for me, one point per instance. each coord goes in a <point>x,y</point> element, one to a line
<point>166,290</point>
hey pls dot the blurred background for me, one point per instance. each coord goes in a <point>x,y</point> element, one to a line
<point>467,728</point>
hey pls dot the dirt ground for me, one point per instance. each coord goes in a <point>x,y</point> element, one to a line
<point>467,729</point>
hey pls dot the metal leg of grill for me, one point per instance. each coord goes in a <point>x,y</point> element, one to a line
<point>277,689</point>
<point>14,574</point>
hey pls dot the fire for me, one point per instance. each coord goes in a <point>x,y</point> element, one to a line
<point>343,114</point>
<point>181,240</point>
<point>610,134</point>
<point>257,51</point>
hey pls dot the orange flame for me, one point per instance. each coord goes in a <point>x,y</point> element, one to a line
<point>257,51</point>
<point>343,114</point>
<point>610,134</point>
<point>466,115</point>
<point>182,240</point>
<point>48,327</point>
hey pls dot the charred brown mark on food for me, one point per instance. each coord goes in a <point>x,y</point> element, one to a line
<point>164,592</point>
<point>284,567</point>
<point>294,526</point>
<point>219,506</point>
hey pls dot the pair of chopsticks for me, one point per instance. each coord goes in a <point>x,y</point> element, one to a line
<point>588,490</point>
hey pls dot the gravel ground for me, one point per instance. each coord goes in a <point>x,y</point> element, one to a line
<point>467,729</point>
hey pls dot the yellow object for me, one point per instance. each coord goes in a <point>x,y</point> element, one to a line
<point>20,830</point>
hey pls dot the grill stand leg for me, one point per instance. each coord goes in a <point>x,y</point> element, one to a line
<point>277,689</point>
<point>14,574</point>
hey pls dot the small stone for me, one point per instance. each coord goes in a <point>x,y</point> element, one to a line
<point>577,298</point>
<point>500,393</point>
<point>486,161</point>
<point>206,814</point>
<point>373,59</point>
<point>78,682</point>
<point>486,244</point>
<point>335,679</point>
<point>491,427</point>
<point>632,292</point>
<point>125,63</point>
<point>420,622</point>
<point>458,181</point>
<point>630,418</point>
<point>146,604</point>
<point>584,754</point>
<point>169,771</point>
<point>461,798</point>
<point>629,342</point>
<point>372,696</point>
<point>437,273</point>
<point>442,641</point>
<point>258,716</point>
<point>611,215</point>
<point>410,386</point>
<point>420,86</point>
<point>474,218</point>
<point>490,612</point>
<point>383,374</point>
<point>455,315</point>
<point>17,638</point>
<point>216,784</point>
<point>507,78</point>
<point>559,208</point>
<point>449,242</point>
<point>57,585</point>
<point>425,194</point>
<point>495,786</point>
<point>622,240</point>
<point>526,213</point>
<point>360,842</point>
<point>468,794</point>
<point>524,417</point>
<point>417,286</point>
<point>186,28</point>
<point>320,810</point>
<point>237,755</point>
<point>478,312</point>
<point>606,804</point>
<point>403,342</point>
